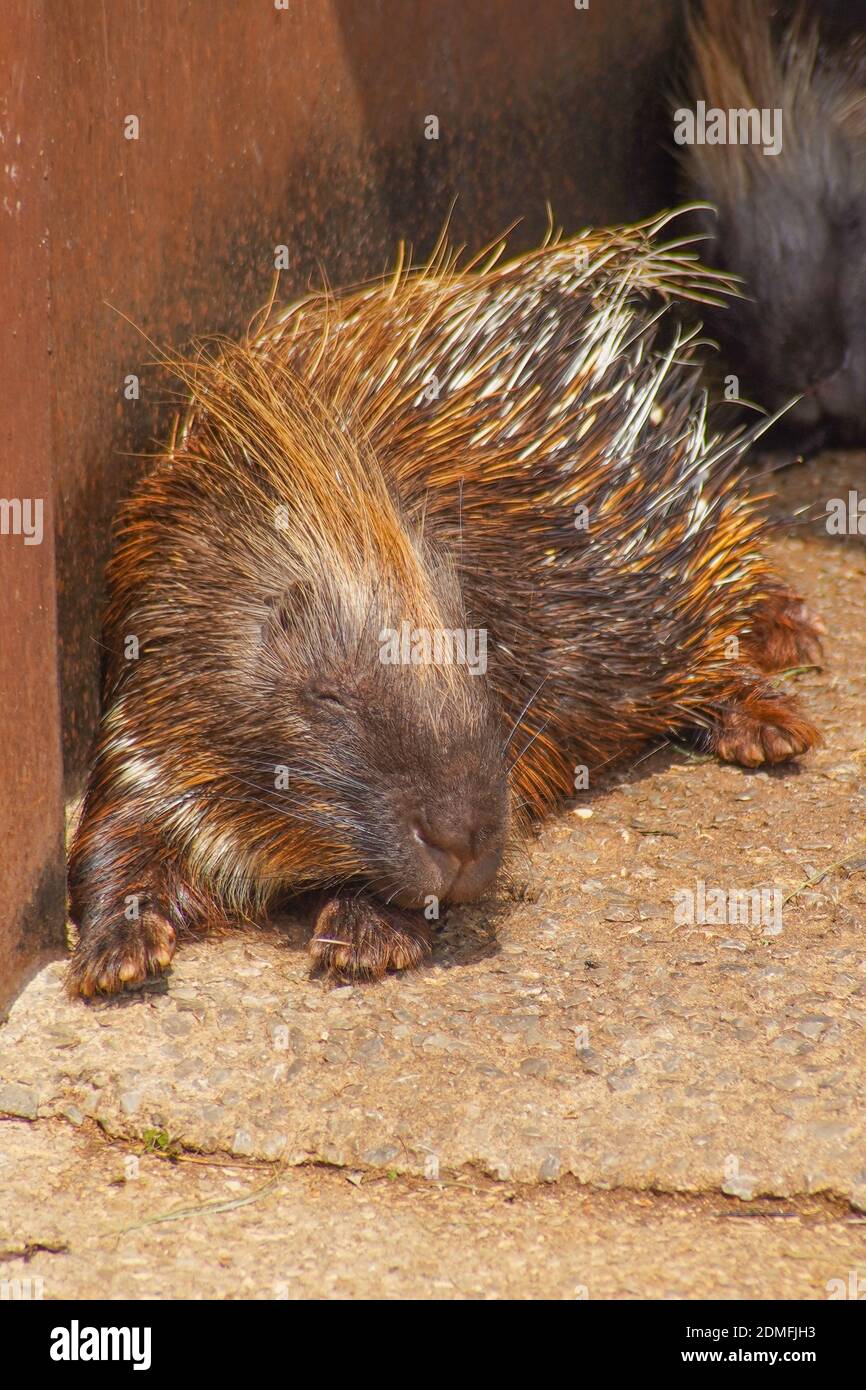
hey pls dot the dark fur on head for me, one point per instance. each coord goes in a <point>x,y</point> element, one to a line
<point>793,224</point>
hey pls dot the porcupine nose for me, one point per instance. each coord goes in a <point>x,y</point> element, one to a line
<point>457,853</point>
<point>449,843</point>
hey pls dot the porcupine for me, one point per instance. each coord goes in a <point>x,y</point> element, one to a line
<point>790,223</point>
<point>516,449</point>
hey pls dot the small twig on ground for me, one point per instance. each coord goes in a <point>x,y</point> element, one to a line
<point>204,1208</point>
<point>797,671</point>
<point>652,829</point>
<point>850,860</point>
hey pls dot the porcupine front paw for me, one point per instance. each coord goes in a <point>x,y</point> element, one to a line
<point>121,955</point>
<point>357,938</point>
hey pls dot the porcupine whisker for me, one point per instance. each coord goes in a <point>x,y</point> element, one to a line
<point>313,776</point>
<point>516,725</point>
<point>307,777</point>
<point>392,895</point>
<point>657,749</point>
<point>304,816</point>
<point>378,885</point>
<point>98,643</point>
<point>527,747</point>
<point>261,799</point>
<point>375,888</point>
<point>252,801</point>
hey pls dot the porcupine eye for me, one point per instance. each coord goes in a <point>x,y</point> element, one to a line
<point>327,696</point>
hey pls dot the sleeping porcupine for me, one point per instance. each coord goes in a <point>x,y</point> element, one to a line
<point>792,223</point>
<point>519,450</point>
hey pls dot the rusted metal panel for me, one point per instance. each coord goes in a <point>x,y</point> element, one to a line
<point>32,890</point>
<point>259,126</point>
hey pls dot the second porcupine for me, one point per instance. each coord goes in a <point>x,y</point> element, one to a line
<point>518,450</point>
<point>792,222</point>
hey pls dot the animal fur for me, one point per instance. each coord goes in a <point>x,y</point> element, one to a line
<point>519,448</point>
<point>791,225</point>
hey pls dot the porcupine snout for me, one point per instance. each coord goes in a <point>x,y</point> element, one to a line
<point>450,827</point>
<point>461,851</point>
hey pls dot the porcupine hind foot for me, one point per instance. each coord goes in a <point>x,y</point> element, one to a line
<point>763,726</point>
<point>784,634</point>
<point>357,938</point>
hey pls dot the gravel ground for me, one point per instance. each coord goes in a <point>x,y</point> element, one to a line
<point>568,1057</point>
<point>253,1231</point>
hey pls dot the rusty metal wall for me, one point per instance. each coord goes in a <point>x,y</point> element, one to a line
<point>31,878</point>
<point>257,126</point>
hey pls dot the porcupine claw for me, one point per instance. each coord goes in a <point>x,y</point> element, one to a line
<point>356,938</point>
<point>122,957</point>
<point>765,727</point>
